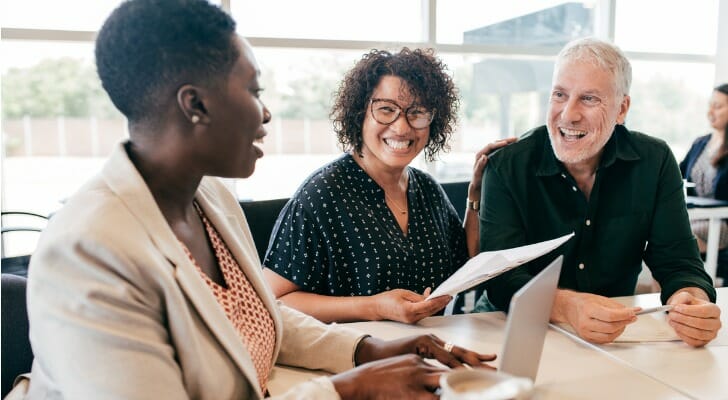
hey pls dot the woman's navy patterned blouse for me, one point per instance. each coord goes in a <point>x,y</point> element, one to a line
<point>337,237</point>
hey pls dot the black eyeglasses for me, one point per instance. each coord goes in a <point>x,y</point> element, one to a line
<point>387,111</point>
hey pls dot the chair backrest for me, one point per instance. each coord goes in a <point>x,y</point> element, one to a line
<point>262,216</point>
<point>16,265</point>
<point>17,355</point>
<point>19,223</point>
<point>457,193</point>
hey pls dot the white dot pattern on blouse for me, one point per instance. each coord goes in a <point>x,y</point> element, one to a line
<point>242,305</point>
<point>336,236</point>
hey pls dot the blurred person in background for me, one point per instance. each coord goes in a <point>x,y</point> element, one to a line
<point>706,165</point>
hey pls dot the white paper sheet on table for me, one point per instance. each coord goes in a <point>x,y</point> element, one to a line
<point>490,264</point>
<point>647,328</point>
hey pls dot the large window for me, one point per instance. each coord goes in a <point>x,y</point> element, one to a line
<point>521,23</point>
<point>58,126</point>
<point>373,20</point>
<point>688,27</point>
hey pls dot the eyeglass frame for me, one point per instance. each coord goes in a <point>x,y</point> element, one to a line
<point>399,113</point>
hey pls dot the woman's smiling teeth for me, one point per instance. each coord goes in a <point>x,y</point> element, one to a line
<point>572,134</point>
<point>397,144</point>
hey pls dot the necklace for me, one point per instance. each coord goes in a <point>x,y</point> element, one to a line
<point>402,211</point>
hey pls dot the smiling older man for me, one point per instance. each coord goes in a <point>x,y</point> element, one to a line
<point>620,191</point>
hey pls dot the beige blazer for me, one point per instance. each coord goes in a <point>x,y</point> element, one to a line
<point>117,310</point>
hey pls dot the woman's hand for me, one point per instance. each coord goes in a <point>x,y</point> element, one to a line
<point>401,377</point>
<point>396,369</point>
<point>481,158</point>
<point>407,306</point>
<point>426,346</point>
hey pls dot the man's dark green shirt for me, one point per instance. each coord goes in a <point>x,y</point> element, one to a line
<point>636,211</point>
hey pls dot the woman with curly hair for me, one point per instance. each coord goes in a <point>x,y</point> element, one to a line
<point>367,236</point>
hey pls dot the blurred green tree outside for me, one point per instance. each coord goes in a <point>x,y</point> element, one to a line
<point>52,88</point>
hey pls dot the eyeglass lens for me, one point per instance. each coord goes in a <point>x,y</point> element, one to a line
<point>386,112</point>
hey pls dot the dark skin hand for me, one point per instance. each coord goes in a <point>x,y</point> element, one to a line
<point>402,377</point>
<point>396,369</point>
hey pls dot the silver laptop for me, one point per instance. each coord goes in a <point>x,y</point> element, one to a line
<point>528,322</point>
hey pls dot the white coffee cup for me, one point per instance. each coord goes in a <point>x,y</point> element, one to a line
<point>483,384</point>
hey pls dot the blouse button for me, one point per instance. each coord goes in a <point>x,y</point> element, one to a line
<point>581,265</point>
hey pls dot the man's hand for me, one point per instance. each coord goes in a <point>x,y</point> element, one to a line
<point>407,306</point>
<point>695,320</point>
<point>596,319</point>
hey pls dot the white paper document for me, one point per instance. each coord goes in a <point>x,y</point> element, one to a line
<point>647,328</point>
<point>490,264</point>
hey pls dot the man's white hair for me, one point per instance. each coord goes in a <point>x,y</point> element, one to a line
<point>601,53</point>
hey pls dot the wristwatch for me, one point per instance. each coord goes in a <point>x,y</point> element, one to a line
<point>473,205</point>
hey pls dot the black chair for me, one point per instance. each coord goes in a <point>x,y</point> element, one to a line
<point>457,193</point>
<point>262,216</point>
<point>21,221</point>
<point>722,271</point>
<point>17,355</point>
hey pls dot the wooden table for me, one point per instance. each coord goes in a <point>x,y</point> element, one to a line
<point>572,368</point>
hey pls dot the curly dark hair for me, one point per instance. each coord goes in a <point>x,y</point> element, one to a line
<point>146,49</point>
<point>427,82</point>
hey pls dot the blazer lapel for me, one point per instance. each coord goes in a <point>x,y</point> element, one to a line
<point>214,316</point>
<point>125,181</point>
<point>233,229</point>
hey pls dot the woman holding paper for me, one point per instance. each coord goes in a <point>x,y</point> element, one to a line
<point>366,234</point>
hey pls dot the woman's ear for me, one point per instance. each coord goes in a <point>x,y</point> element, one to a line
<point>189,100</point>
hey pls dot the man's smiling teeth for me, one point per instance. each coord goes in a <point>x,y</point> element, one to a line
<point>572,134</point>
<point>397,144</point>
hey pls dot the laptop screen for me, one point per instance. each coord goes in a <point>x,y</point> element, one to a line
<point>528,322</point>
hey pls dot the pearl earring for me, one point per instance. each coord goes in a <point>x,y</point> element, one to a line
<point>195,119</point>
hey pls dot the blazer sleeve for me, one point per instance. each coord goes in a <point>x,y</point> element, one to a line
<point>684,166</point>
<point>311,344</point>
<point>721,182</point>
<point>91,319</point>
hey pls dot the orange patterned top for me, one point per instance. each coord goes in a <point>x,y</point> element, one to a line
<point>242,305</point>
